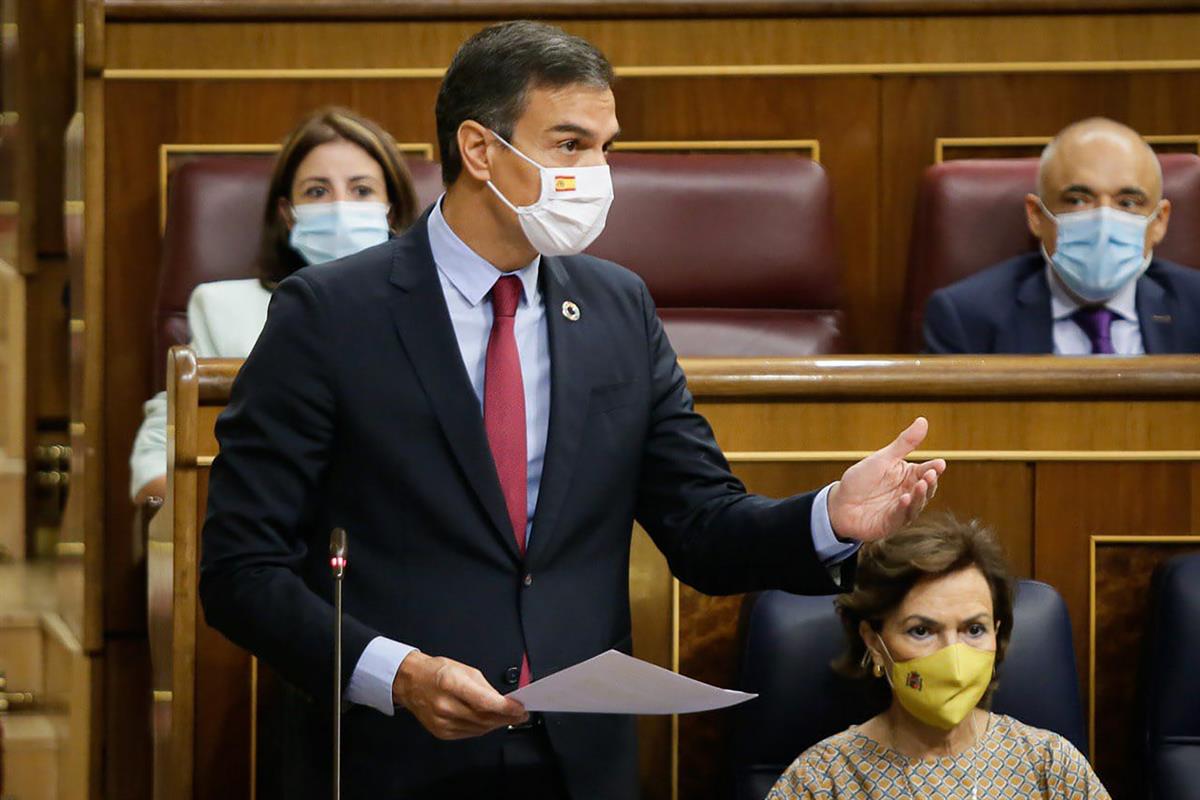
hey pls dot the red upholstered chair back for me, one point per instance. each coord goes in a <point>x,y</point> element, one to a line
<point>738,250</point>
<point>214,226</point>
<point>971,215</point>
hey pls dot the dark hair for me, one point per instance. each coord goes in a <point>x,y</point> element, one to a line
<point>491,73</point>
<point>276,258</point>
<point>930,548</point>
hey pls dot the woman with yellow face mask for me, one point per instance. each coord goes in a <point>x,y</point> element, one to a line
<point>929,620</point>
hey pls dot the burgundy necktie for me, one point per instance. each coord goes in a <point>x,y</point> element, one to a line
<point>504,413</point>
<point>1097,322</point>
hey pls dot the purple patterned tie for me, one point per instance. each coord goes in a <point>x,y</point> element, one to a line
<point>1096,322</point>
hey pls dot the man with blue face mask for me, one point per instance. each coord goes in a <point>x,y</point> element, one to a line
<point>1094,286</point>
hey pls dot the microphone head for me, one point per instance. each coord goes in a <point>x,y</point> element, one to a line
<point>337,550</point>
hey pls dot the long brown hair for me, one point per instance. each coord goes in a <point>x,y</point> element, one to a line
<point>276,258</point>
<point>888,569</point>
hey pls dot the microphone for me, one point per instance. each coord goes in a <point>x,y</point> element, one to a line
<point>337,561</point>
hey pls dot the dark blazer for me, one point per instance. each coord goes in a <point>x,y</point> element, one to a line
<point>355,410</point>
<point>1006,309</point>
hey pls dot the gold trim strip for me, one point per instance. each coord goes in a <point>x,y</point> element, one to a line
<point>77,326</point>
<point>73,208</point>
<point>77,429</point>
<point>771,456</point>
<point>70,549</point>
<point>680,71</point>
<point>10,207</point>
<point>163,696</point>
<point>802,456</point>
<point>812,146</point>
<point>1092,542</point>
<point>168,149</point>
<point>942,142</point>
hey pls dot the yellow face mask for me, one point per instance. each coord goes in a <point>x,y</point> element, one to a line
<point>942,688</point>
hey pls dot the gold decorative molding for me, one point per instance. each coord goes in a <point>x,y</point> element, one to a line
<point>169,149</point>
<point>70,550</point>
<point>943,142</point>
<point>162,696</point>
<point>77,325</point>
<point>778,456</point>
<point>73,208</point>
<point>810,146</point>
<point>1095,540</point>
<point>681,71</point>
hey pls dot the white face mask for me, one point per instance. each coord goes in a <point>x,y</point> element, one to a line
<point>329,231</point>
<point>571,210</point>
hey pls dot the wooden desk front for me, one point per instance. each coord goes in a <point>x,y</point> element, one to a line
<point>1087,469</point>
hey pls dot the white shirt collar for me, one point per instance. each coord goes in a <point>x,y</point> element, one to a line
<point>1062,305</point>
<point>468,272</point>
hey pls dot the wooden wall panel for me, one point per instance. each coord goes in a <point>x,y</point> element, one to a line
<point>1075,502</point>
<point>1120,576</point>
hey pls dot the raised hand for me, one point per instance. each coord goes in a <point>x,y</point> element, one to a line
<point>882,493</point>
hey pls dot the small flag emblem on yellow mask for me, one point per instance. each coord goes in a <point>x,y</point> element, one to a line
<point>564,183</point>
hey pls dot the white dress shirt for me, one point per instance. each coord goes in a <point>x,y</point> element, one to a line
<point>1071,340</point>
<point>466,279</point>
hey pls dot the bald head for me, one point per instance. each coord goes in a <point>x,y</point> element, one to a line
<point>1092,163</point>
<point>1101,154</point>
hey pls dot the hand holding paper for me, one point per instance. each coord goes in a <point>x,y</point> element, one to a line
<point>614,683</point>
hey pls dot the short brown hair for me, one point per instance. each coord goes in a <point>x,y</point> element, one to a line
<point>276,258</point>
<point>930,548</point>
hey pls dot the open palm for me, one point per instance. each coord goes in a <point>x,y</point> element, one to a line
<point>882,493</point>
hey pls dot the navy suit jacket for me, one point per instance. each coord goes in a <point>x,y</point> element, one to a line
<point>1006,309</point>
<point>355,410</point>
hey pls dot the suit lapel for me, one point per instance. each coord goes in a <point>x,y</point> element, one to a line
<point>570,391</point>
<point>1032,330</point>
<point>423,322</point>
<point>1155,318</point>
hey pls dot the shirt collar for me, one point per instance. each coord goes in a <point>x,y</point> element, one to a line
<point>1062,305</point>
<point>468,272</point>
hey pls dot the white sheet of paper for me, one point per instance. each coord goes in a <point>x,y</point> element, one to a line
<point>614,683</point>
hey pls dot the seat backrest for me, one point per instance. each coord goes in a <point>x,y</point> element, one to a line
<point>790,641</point>
<point>1171,701</point>
<point>971,214</point>
<point>214,226</point>
<point>737,250</point>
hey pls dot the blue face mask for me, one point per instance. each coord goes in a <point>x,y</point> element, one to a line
<point>329,231</point>
<point>1099,250</point>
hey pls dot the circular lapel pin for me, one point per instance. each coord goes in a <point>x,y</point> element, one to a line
<point>570,311</point>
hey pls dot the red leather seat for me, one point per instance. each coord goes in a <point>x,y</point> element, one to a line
<point>214,225</point>
<point>738,250</point>
<point>971,215</point>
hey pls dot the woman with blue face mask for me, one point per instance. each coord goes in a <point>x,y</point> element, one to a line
<point>339,186</point>
<point>928,621</point>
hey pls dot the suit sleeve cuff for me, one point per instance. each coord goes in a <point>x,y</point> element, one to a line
<point>830,551</point>
<point>375,672</point>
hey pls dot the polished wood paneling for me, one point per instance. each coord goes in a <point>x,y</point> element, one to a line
<point>1121,583</point>
<point>864,43</point>
<point>392,9</point>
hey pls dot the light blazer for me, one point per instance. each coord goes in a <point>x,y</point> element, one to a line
<point>354,409</point>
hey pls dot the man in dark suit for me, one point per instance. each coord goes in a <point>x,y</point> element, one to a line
<point>1095,286</point>
<point>487,415</point>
